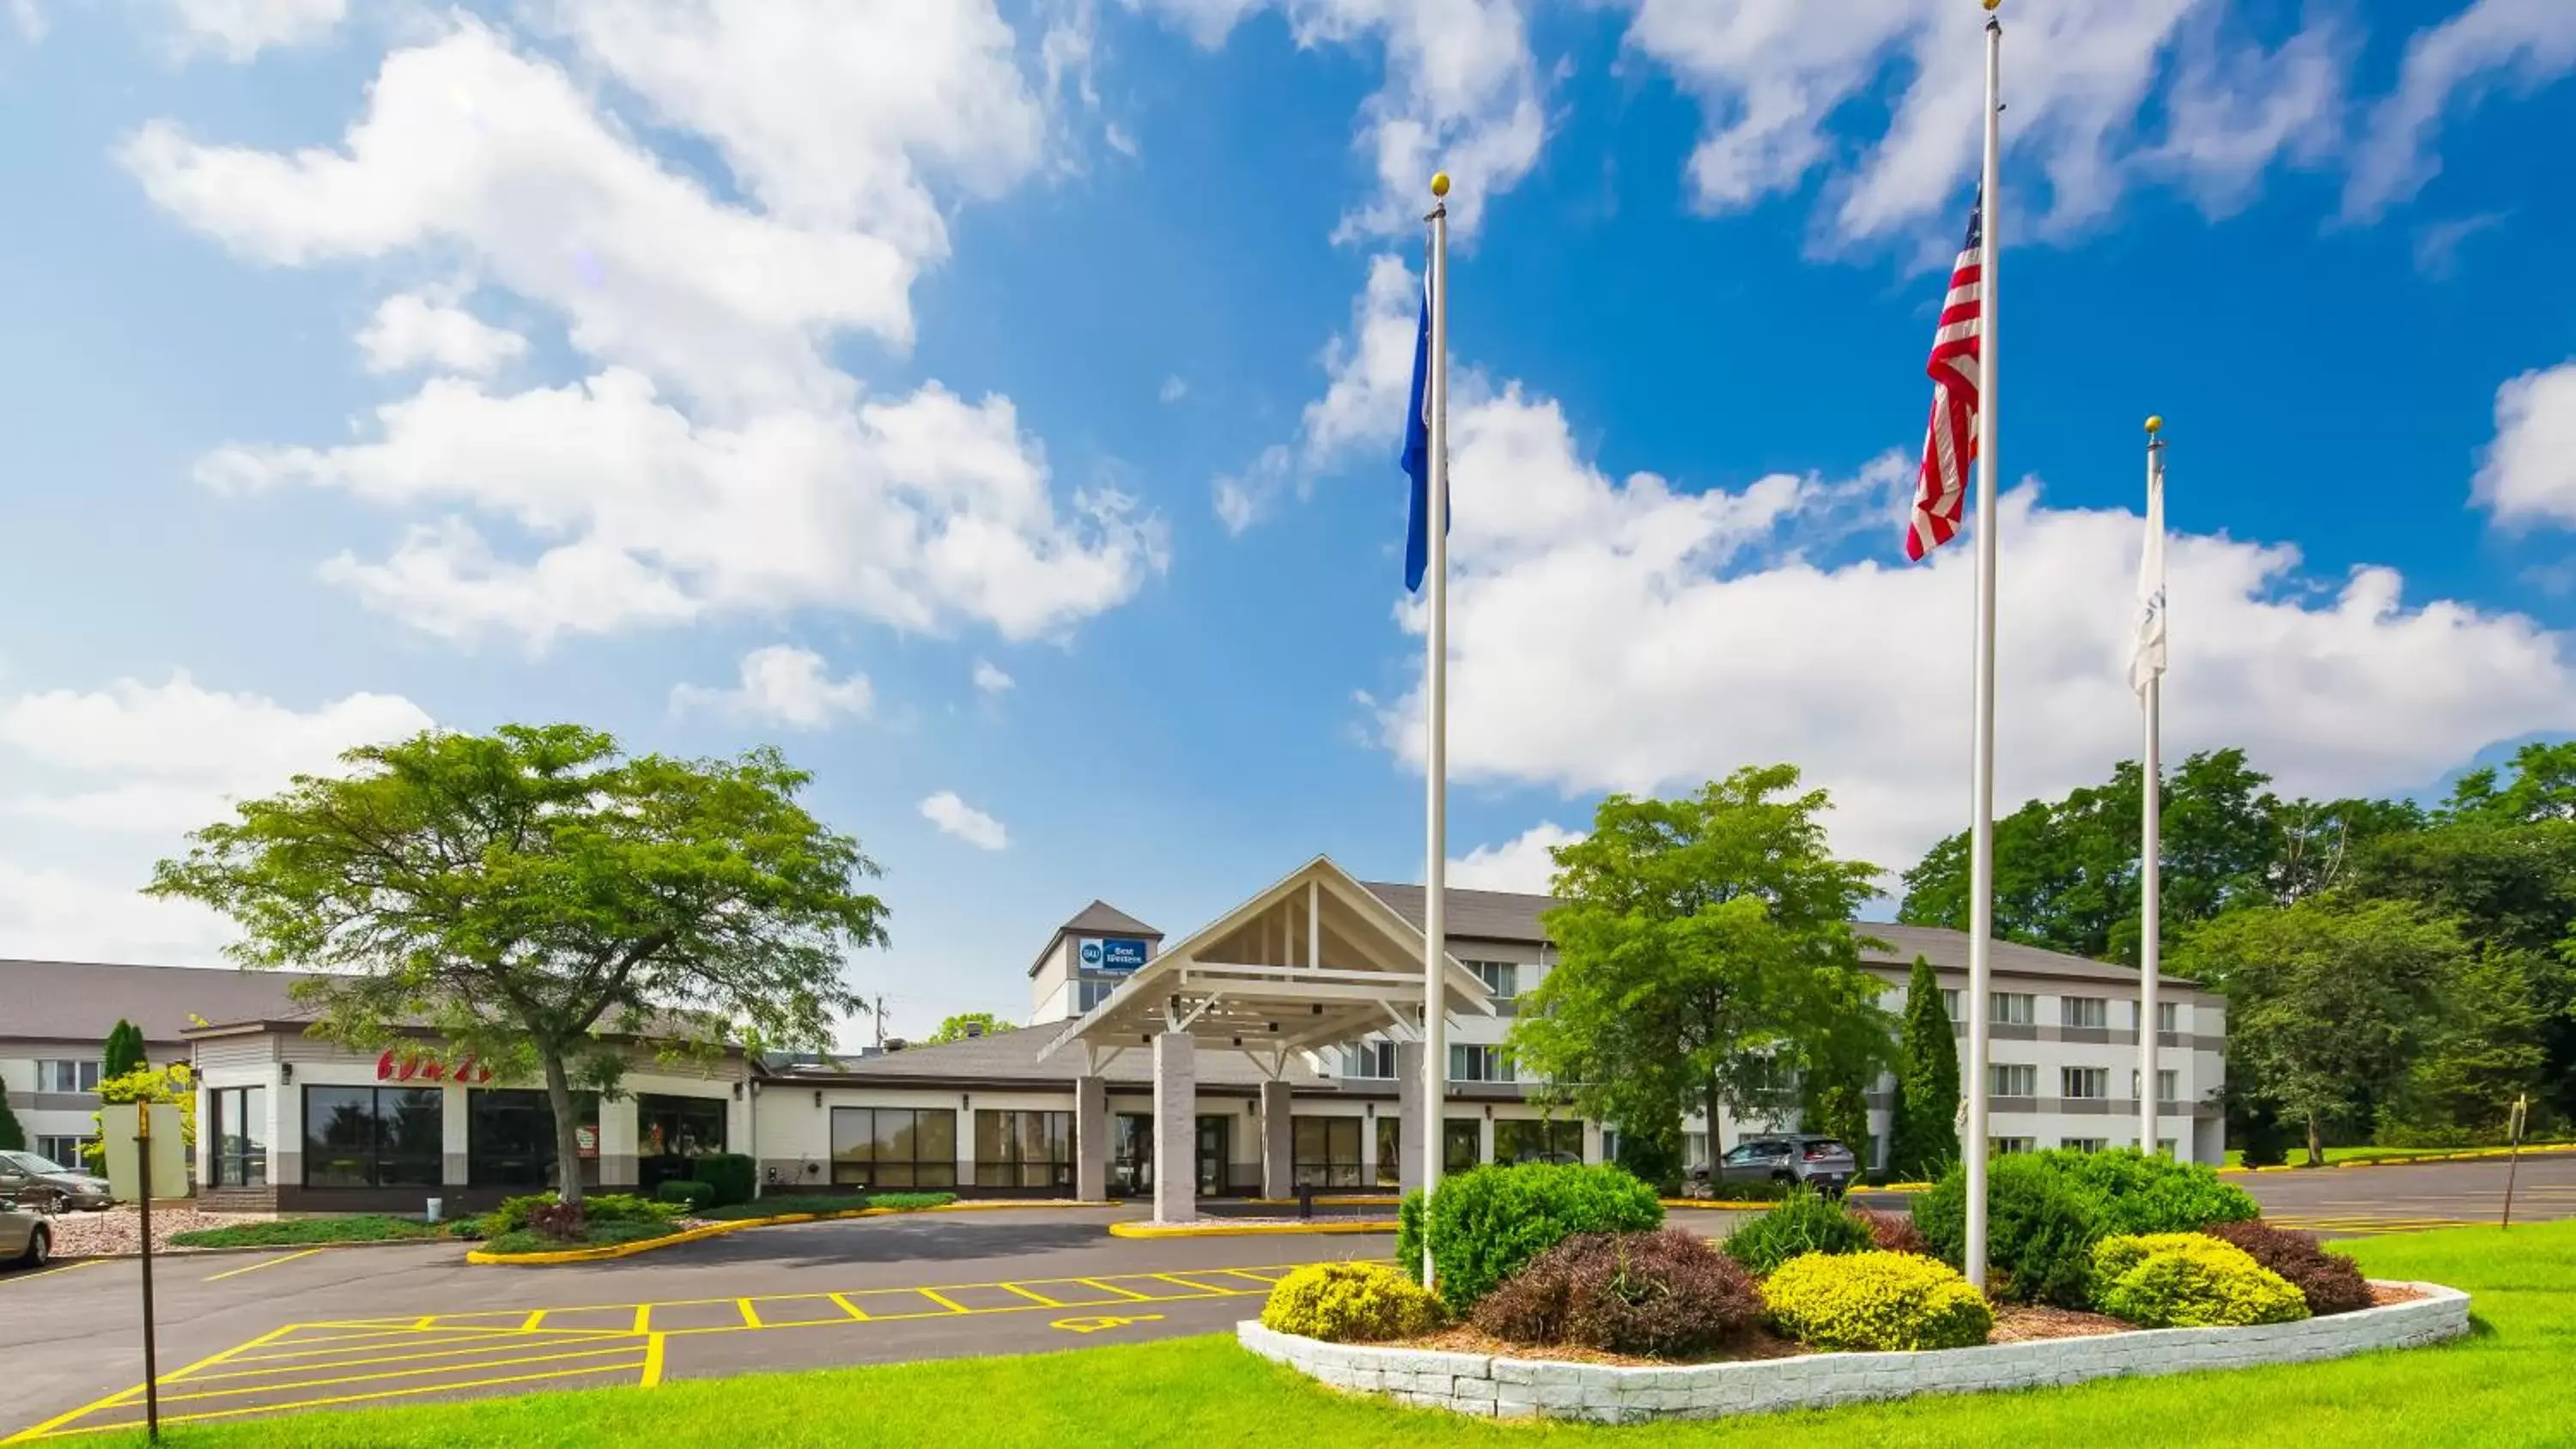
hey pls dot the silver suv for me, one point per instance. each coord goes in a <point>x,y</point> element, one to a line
<point>1822,1163</point>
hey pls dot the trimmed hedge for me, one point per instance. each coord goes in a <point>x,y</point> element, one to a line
<point>1350,1303</point>
<point>1875,1301</point>
<point>2330,1282</point>
<point>1663,1294</point>
<point>2139,1193</point>
<point>1804,1223</point>
<point>687,1193</point>
<point>733,1175</point>
<point>2189,1280</point>
<point>2046,1210</point>
<point>1485,1224</point>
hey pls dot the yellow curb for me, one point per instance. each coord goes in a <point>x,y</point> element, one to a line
<point>1371,1201</point>
<point>699,1234</point>
<point>1719,1204</point>
<point>1248,1230</point>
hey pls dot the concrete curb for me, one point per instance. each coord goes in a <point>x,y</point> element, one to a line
<point>435,1240</point>
<point>2475,1154</point>
<point>1527,1388</point>
<point>1251,1230</point>
<point>719,1229</point>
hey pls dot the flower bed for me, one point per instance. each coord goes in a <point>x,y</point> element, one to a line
<point>1525,1384</point>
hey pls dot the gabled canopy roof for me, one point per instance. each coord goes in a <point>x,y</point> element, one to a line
<point>1313,961</point>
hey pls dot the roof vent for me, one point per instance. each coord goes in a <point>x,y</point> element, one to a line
<point>974,1028</point>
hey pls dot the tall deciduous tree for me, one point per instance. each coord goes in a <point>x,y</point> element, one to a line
<point>1706,955</point>
<point>533,893</point>
<point>1923,1126</point>
<point>124,1050</point>
<point>968,1023</point>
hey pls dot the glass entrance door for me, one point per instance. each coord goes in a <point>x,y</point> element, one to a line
<point>1212,1155</point>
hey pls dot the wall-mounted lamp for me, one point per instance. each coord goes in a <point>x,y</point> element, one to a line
<point>737,1091</point>
<point>286,1071</point>
<point>962,1101</point>
<point>755,1086</point>
<point>1489,1111</point>
<point>818,1096</point>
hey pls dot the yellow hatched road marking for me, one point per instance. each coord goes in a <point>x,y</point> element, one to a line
<point>1193,1287</point>
<point>750,1315</point>
<point>857,1314</point>
<point>66,1268</point>
<point>951,1304</point>
<point>55,1423</point>
<point>326,1365</point>
<point>264,1263</point>
<point>1110,1288</point>
<point>341,1399</point>
<point>170,1398</point>
<point>1023,1292</point>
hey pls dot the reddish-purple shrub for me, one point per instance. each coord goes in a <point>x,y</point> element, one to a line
<point>1893,1232</point>
<point>563,1221</point>
<point>2331,1282</point>
<point>1662,1294</point>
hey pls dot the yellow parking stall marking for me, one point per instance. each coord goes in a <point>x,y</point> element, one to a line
<point>429,1341</point>
<point>305,1365</point>
<point>263,1263</point>
<point>1264,1281</point>
<point>951,1304</point>
<point>1025,1293</point>
<point>535,1318</point>
<point>1111,1288</point>
<point>1186,1283</point>
<point>857,1314</point>
<point>97,1406</point>
<point>347,1399</point>
<point>643,1317</point>
<point>297,1384</point>
<point>750,1316</point>
<point>652,1363</point>
<point>66,1268</point>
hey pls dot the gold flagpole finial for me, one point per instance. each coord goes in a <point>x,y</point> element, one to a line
<point>2155,424</point>
<point>1990,4</point>
<point>1440,183</point>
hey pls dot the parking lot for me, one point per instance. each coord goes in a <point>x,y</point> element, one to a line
<point>297,1330</point>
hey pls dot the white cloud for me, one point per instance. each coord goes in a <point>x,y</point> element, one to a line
<point>1119,140</point>
<point>2524,44</point>
<point>1462,93</point>
<point>2529,472</point>
<point>29,17</point>
<point>1521,863</point>
<point>1174,389</point>
<point>782,684</point>
<point>955,817</point>
<point>1613,634</point>
<point>238,30</point>
<point>1774,82</point>
<point>414,329</point>
<point>51,914</point>
<point>990,679</point>
<point>918,511</point>
<point>2437,246</point>
<point>1370,367</point>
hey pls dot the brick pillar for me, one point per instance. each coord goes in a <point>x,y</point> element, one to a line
<point>1278,1161</point>
<point>1409,1110</point>
<point>1090,1138</point>
<point>1176,1128</point>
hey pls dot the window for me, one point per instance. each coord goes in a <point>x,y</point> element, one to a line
<point>1131,1157</point>
<point>2084,1082</point>
<point>239,1133</point>
<point>670,1132</point>
<point>1390,1150</point>
<point>2006,1079</point>
<point>1950,1002</point>
<point>1087,995</point>
<point>1461,1146</point>
<point>894,1146</point>
<point>67,1076</point>
<point>2168,1088</point>
<point>61,1151</point>
<point>1503,978</point>
<point>510,1138</point>
<point>1531,1140</point>
<point>2084,1144</point>
<point>1694,1149</point>
<point>2007,1146</point>
<point>2164,1147</point>
<point>1479,1064</point>
<point>2083,1011</point>
<point>2168,1016</point>
<point>372,1137</point>
<point>1023,1149</point>
<point>1325,1151</point>
<point>2013,1008</point>
<point>1370,1059</point>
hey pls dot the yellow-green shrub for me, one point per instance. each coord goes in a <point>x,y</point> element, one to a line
<point>1873,1301</point>
<point>2189,1280</point>
<point>1350,1303</point>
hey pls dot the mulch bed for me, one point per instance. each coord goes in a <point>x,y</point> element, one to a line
<point>2386,1293</point>
<point>2021,1323</point>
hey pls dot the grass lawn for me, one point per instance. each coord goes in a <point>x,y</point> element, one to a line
<point>2336,1156</point>
<point>298,1232</point>
<point>2505,1386</point>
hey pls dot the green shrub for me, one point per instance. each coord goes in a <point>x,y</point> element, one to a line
<point>734,1176</point>
<point>595,1235</point>
<point>1483,1225</point>
<point>1804,1223</point>
<point>2189,1280</point>
<point>1875,1301</point>
<point>2138,1193</point>
<point>2040,1229</point>
<point>1665,1294</point>
<point>687,1193</point>
<point>1767,1189</point>
<point>516,1214</point>
<point>2330,1282</point>
<point>910,1202</point>
<point>1350,1303</point>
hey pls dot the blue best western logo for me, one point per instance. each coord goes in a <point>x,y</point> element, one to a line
<point>1114,954</point>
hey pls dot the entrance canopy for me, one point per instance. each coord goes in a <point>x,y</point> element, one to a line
<point>1312,962</point>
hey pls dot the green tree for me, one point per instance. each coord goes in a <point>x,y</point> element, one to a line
<point>1923,1130</point>
<point>535,892</point>
<point>2327,1000</point>
<point>12,1137</point>
<point>2481,1049</point>
<point>1706,956</point>
<point>955,1028</point>
<point>173,1085</point>
<point>124,1052</point>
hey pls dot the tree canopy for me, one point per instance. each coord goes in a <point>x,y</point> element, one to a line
<point>957,1028</point>
<point>542,900</point>
<point>124,1051</point>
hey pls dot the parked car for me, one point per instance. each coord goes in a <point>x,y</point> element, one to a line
<point>1822,1163</point>
<point>26,1239</point>
<point>37,1181</point>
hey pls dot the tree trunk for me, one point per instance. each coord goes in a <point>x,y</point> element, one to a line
<point>567,1127</point>
<point>2316,1142</point>
<point>1716,1148</point>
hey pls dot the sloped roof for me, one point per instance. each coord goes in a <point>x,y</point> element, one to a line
<point>81,1000</point>
<point>1097,919</point>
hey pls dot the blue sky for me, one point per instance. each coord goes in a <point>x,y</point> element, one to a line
<point>802,376</point>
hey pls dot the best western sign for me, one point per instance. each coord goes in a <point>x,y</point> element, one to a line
<point>1115,954</point>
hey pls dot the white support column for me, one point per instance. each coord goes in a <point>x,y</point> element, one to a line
<point>1176,1128</point>
<point>1314,926</point>
<point>1412,1121</point>
<point>1091,1138</point>
<point>1278,1144</point>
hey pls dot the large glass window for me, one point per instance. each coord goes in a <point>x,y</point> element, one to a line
<point>1502,978</point>
<point>1950,1003</point>
<point>2012,1079</point>
<point>1460,1147</point>
<point>2083,1011</point>
<point>60,1076</point>
<point>1531,1140</point>
<point>240,1136</point>
<point>2013,1008</point>
<point>1480,1064</point>
<point>1390,1150</point>
<point>1325,1151</point>
<point>1023,1149</point>
<point>1131,1154</point>
<point>1374,1060</point>
<point>510,1138</point>
<point>671,1133</point>
<point>371,1137</point>
<point>2168,1017</point>
<point>894,1147</point>
<point>2084,1082</point>
<point>62,1152</point>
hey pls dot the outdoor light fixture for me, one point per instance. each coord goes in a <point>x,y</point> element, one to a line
<point>737,1091</point>
<point>961,1101</point>
<point>1274,1028</point>
<point>818,1096</point>
<point>286,1071</point>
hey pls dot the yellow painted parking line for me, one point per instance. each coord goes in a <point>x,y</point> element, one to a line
<point>857,1314</point>
<point>345,1399</point>
<point>1111,1288</point>
<point>171,1398</point>
<point>535,1318</point>
<point>49,1272</point>
<point>56,1424</point>
<point>305,1365</point>
<point>1193,1287</point>
<point>750,1316</point>
<point>652,1376</point>
<point>264,1263</point>
<point>951,1304</point>
<point>1032,1297</point>
<point>643,1318</point>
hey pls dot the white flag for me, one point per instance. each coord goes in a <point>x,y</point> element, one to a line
<point>2147,651</point>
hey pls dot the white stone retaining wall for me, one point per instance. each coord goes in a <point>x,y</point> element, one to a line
<point>1525,1388</point>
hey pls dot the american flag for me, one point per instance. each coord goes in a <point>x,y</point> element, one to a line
<point>1950,440</point>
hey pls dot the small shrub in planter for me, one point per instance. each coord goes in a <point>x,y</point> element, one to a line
<point>2040,1229</point>
<point>2189,1280</point>
<point>564,1222</point>
<point>1350,1303</point>
<point>1663,1294</point>
<point>1876,1301</point>
<point>2330,1282</point>
<point>626,1207</point>
<point>1483,1225</point>
<point>2138,1193</point>
<point>1805,1223</point>
<point>1892,1232</point>
<point>688,1194</point>
<point>734,1176</point>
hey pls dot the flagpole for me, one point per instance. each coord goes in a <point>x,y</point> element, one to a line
<point>1435,749</point>
<point>2151,847</point>
<point>1981,857</point>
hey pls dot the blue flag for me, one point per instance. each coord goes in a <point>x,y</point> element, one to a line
<point>1417,455</point>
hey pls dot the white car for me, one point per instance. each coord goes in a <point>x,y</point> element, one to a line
<point>26,1238</point>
